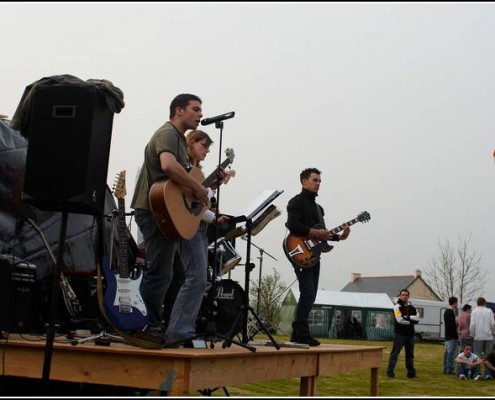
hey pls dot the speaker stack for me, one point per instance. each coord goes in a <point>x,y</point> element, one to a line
<point>68,150</point>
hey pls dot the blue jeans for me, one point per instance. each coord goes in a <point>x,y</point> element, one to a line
<point>449,354</point>
<point>482,347</point>
<point>407,342</point>
<point>194,256</point>
<point>308,286</point>
<point>469,373</point>
<point>158,272</point>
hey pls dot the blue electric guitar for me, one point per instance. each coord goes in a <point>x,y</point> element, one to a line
<point>122,301</point>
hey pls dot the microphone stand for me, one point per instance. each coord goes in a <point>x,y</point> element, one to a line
<point>210,329</point>
<point>259,278</point>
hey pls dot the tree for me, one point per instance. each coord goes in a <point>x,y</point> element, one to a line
<point>457,272</point>
<point>270,297</point>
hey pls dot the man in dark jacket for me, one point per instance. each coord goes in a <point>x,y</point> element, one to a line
<point>451,337</point>
<point>305,218</point>
<point>405,319</point>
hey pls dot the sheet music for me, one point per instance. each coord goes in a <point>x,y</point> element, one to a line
<point>259,203</point>
<point>261,220</point>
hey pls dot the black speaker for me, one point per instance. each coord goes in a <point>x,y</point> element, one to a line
<point>69,138</point>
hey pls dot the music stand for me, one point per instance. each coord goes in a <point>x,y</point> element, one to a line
<point>254,208</point>
<point>211,331</point>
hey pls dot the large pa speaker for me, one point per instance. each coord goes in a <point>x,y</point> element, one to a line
<point>69,138</point>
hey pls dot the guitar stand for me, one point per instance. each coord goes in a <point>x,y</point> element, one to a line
<point>245,308</point>
<point>103,339</point>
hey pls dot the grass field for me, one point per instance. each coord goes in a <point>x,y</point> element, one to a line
<point>431,382</point>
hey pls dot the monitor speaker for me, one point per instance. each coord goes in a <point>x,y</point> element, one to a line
<point>69,136</point>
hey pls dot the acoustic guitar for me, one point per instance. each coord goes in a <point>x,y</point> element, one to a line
<point>304,252</point>
<point>176,212</point>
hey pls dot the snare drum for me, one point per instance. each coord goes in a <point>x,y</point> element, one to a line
<point>225,252</point>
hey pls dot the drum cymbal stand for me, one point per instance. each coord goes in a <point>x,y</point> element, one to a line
<point>246,308</point>
<point>211,331</point>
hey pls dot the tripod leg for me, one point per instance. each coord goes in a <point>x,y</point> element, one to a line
<point>260,322</point>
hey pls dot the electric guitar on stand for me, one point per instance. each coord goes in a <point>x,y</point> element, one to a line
<point>122,301</point>
<point>304,252</point>
<point>176,213</point>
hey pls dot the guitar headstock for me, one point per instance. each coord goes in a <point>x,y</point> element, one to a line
<point>119,185</point>
<point>230,154</point>
<point>364,216</point>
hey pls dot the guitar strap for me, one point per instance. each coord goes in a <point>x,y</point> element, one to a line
<point>320,215</point>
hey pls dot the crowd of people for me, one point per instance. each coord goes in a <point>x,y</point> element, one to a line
<point>469,339</point>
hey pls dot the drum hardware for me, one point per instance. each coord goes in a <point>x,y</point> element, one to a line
<point>259,283</point>
<point>245,307</point>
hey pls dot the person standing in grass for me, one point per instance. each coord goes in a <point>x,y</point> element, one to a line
<point>451,337</point>
<point>463,321</point>
<point>405,319</point>
<point>481,328</point>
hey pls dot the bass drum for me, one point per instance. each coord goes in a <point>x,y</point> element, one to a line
<point>228,301</point>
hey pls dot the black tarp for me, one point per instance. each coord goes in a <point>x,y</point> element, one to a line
<point>30,236</point>
<point>87,237</point>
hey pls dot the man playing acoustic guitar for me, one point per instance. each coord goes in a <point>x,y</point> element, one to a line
<point>165,157</point>
<point>305,218</point>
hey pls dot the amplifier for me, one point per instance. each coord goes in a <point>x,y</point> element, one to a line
<point>19,295</point>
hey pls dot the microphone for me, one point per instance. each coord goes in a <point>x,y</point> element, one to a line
<point>218,118</point>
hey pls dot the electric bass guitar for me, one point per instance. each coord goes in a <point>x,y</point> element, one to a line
<point>304,252</point>
<point>177,213</point>
<point>122,301</point>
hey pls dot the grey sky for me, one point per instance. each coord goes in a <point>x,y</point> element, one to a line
<point>393,102</point>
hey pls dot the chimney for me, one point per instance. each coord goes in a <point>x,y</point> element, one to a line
<point>355,275</point>
<point>417,273</point>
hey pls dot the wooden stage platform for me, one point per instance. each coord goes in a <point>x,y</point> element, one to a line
<point>180,372</point>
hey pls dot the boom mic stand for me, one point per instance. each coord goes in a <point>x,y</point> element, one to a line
<point>259,278</point>
<point>211,329</point>
<point>246,307</point>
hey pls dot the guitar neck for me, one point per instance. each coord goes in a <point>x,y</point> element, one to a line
<point>341,227</point>
<point>122,231</point>
<point>213,176</point>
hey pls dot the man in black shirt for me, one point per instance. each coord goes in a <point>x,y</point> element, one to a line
<point>451,337</point>
<point>405,319</point>
<point>305,218</point>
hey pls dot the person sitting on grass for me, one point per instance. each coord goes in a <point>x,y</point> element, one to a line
<point>468,364</point>
<point>490,365</point>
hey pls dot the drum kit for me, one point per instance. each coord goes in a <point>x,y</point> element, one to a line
<point>229,295</point>
<point>225,305</point>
